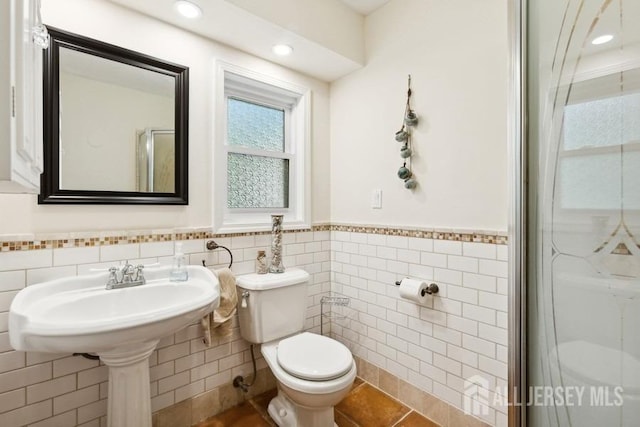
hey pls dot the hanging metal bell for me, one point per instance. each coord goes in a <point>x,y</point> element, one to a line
<point>404,173</point>
<point>410,183</point>
<point>402,135</point>
<point>405,151</point>
<point>411,118</point>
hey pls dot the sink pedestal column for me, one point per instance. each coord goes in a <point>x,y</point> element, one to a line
<point>129,402</point>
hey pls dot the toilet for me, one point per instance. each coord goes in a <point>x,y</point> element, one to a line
<point>313,372</point>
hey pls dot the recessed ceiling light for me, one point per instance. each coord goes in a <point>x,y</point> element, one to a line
<point>188,9</point>
<point>282,49</point>
<point>602,39</point>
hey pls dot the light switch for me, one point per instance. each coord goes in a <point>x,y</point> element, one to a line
<point>376,199</point>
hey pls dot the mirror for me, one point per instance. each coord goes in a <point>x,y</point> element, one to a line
<point>115,125</point>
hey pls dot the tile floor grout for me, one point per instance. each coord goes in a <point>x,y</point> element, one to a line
<point>258,406</point>
<point>403,417</point>
<point>390,397</point>
<point>264,412</point>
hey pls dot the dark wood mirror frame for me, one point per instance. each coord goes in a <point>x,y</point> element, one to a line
<point>50,191</point>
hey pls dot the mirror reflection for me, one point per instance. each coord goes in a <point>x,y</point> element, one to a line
<point>155,161</point>
<point>104,106</point>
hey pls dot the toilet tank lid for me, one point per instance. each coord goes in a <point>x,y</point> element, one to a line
<point>261,282</point>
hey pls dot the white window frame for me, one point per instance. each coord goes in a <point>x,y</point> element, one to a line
<point>240,83</point>
<point>585,85</point>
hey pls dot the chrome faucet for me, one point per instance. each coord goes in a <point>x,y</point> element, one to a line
<point>128,276</point>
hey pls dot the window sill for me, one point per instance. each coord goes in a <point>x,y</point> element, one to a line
<point>230,228</point>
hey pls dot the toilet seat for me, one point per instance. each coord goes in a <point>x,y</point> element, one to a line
<point>577,359</point>
<point>270,352</point>
<point>314,357</point>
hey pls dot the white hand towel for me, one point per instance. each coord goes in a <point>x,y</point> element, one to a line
<point>220,320</point>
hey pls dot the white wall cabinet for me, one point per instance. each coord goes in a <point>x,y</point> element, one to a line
<point>21,98</point>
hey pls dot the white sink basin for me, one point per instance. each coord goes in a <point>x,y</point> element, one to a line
<point>123,326</point>
<point>78,314</point>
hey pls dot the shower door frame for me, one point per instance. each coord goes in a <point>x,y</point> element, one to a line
<point>518,208</point>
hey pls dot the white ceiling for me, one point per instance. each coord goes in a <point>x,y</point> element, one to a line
<point>250,26</point>
<point>365,7</point>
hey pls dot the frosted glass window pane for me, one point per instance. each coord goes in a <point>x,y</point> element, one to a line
<point>255,126</point>
<point>590,182</point>
<point>603,122</point>
<point>631,180</point>
<point>257,182</point>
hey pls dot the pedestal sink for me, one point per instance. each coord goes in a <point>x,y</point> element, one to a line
<point>123,326</point>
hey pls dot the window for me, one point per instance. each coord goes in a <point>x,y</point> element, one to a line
<point>261,152</point>
<point>257,155</point>
<point>600,154</point>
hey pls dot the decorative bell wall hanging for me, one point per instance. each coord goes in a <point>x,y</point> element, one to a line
<point>409,121</point>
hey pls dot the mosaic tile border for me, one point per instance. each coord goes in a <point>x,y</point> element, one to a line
<point>460,236</point>
<point>115,238</point>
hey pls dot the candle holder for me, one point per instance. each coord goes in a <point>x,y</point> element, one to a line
<point>276,265</point>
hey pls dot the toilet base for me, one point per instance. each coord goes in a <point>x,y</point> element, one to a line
<point>286,414</point>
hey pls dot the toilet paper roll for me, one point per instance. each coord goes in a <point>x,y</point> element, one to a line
<point>412,289</point>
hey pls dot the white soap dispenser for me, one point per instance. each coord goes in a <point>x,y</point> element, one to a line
<point>179,271</point>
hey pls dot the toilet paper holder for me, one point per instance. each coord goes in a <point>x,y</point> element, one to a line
<point>431,289</point>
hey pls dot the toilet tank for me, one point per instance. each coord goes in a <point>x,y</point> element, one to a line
<point>276,305</point>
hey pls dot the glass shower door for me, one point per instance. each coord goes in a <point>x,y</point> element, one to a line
<point>584,258</point>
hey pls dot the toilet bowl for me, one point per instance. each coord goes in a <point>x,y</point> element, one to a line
<point>313,372</point>
<point>608,380</point>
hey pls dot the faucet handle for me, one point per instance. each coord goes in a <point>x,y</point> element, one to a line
<point>113,277</point>
<point>139,277</point>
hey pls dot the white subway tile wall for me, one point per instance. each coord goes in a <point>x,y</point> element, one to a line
<point>435,345</point>
<point>41,389</point>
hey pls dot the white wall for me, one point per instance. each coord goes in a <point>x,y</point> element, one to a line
<point>456,52</point>
<point>113,24</point>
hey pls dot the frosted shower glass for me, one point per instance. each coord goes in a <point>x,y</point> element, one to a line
<point>257,182</point>
<point>583,283</point>
<point>590,182</point>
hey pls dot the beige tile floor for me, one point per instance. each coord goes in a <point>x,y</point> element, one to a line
<point>364,406</point>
